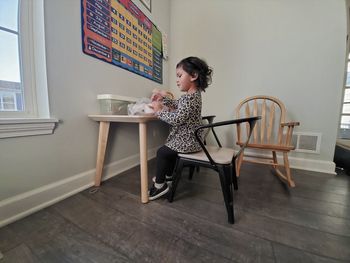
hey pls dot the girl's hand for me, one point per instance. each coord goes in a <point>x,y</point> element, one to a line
<point>157,106</point>
<point>156,97</point>
<point>164,93</point>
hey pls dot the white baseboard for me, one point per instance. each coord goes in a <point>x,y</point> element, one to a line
<point>305,164</point>
<point>313,165</point>
<point>19,206</point>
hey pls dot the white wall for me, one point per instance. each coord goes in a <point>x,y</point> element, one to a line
<point>40,165</point>
<point>294,50</point>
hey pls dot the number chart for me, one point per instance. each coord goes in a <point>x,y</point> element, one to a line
<point>118,32</point>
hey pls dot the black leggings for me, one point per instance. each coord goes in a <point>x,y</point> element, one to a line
<point>166,160</point>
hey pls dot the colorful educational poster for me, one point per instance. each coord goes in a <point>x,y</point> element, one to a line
<point>117,32</point>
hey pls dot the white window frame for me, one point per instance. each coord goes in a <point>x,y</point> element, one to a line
<point>35,119</point>
<point>344,132</point>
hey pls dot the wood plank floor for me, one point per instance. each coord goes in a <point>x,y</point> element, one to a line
<point>310,223</point>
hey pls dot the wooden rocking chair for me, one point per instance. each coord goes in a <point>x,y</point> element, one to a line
<point>271,134</point>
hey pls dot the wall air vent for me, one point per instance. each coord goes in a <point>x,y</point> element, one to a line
<point>308,142</point>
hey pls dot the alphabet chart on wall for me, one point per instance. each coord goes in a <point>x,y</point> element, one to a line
<point>118,32</point>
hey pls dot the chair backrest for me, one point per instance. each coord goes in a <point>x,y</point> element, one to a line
<point>251,121</point>
<point>269,129</point>
<point>207,120</point>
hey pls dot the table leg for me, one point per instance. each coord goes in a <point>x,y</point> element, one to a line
<point>143,162</point>
<point>101,150</point>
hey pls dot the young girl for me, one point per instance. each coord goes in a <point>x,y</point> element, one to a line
<point>184,115</point>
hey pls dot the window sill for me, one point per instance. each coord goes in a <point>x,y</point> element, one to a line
<point>17,127</point>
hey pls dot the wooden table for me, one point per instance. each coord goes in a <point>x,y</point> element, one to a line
<point>105,121</point>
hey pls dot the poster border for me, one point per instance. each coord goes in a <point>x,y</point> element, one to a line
<point>147,5</point>
<point>115,63</point>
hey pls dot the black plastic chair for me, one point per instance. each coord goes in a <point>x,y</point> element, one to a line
<point>218,158</point>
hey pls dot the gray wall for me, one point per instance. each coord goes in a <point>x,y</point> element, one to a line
<point>74,80</point>
<point>294,50</point>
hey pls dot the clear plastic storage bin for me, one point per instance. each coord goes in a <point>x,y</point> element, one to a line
<point>111,104</point>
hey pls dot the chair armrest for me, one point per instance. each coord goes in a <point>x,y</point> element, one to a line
<point>288,137</point>
<point>293,123</point>
<point>209,118</point>
<point>252,121</point>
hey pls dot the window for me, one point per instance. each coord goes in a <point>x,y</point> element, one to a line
<point>23,82</point>
<point>10,80</point>
<point>8,101</point>
<point>344,131</point>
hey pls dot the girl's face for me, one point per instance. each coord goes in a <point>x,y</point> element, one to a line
<point>185,81</point>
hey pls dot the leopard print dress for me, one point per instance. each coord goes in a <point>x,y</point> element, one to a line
<point>183,116</point>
